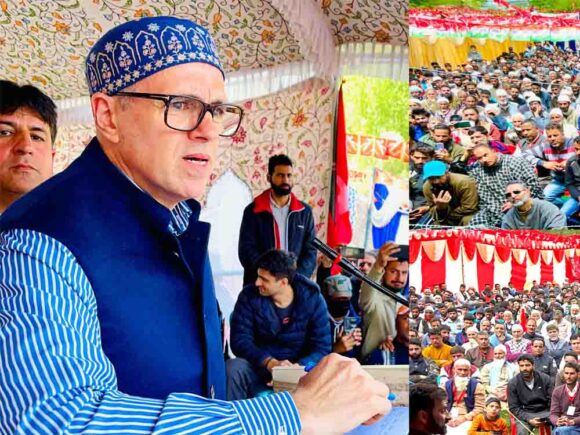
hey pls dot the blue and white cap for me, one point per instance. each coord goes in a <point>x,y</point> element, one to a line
<point>137,49</point>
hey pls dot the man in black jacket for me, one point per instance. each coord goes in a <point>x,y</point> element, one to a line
<point>529,394</point>
<point>543,362</point>
<point>419,365</point>
<point>277,219</point>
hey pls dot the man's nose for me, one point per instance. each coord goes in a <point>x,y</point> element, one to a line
<point>23,144</point>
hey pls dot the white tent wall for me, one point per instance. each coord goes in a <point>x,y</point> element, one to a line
<point>453,272</point>
<point>502,271</point>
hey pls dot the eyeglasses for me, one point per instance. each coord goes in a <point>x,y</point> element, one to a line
<point>184,113</point>
<point>514,193</point>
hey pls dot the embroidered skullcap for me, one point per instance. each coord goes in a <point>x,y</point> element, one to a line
<point>137,49</point>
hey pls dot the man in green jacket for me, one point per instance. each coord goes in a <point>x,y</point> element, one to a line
<point>452,198</point>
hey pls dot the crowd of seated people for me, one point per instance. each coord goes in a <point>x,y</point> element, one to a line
<point>517,348</point>
<point>496,143</point>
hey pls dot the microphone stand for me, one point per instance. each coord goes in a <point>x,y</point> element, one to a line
<point>349,267</point>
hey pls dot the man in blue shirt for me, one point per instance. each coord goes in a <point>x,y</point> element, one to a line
<point>106,294</point>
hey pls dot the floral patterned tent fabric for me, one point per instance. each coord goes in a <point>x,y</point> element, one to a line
<point>44,43</point>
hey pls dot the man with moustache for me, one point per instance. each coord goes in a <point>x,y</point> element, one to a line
<point>106,290</point>
<point>543,362</point>
<point>514,135</point>
<point>428,412</point>
<point>529,394</point>
<point>531,328</point>
<point>496,374</point>
<point>465,397</point>
<point>530,213</point>
<point>418,364</point>
<point>277,219</point>
<point>27,133</point>
<point>565,406</point>
<point>483,353</point>
<point>492,173</point>
<point>518,345</point>
<point>391,269</point>
<point>553,157</point>
<point>438,351</point>
<point>569,356</point>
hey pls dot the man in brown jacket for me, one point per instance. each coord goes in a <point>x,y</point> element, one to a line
<point>452,198</point>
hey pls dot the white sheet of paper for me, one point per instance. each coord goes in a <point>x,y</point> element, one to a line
<point>396,423</point>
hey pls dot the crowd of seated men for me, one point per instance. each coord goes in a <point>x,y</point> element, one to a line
<point>496,143</point>
<point>515,348</point>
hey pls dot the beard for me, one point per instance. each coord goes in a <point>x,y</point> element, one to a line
<point>394,289</point>
<point>498,362</point>
<point>435,428</point>
<point>281,191</point>
<point>522,201</point>
<point>461,383</point>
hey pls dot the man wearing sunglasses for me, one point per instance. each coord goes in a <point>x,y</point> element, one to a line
<point>108,316</point>
<point>530,213</point>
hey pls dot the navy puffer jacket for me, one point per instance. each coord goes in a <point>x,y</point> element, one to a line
<point>258,333</point>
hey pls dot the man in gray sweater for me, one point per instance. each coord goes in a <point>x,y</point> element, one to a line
<point>530,213</point>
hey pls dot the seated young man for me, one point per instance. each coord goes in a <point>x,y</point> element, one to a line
<point>281,320</point>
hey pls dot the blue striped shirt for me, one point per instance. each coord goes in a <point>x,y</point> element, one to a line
<point>55,377</point>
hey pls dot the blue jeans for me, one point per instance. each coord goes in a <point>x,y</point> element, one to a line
<point>568,430</point>
<point>570,207</point>
<point>245,381</point>
<point>553,192</point>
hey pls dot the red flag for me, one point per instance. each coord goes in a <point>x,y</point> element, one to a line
<point>523,319</point>
<point>339,228</point>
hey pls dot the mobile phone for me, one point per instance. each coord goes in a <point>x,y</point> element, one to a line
<point>439,146</point>
<point>463,124</point>
<point>349,324</point>
<point>352,252</point>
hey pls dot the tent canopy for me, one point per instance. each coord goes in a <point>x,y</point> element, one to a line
<point>45,42</point>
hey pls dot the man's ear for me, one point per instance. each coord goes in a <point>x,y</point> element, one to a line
<point>105,114</point>
<point>269,178</point>
<point>423,417</point>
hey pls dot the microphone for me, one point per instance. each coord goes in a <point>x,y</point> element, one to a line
<point>352,269</point>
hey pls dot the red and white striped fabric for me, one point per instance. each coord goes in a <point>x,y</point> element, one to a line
<point>476,258</point>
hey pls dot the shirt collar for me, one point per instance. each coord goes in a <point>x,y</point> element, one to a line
<point>274,205</point>
<point>180,218</point>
